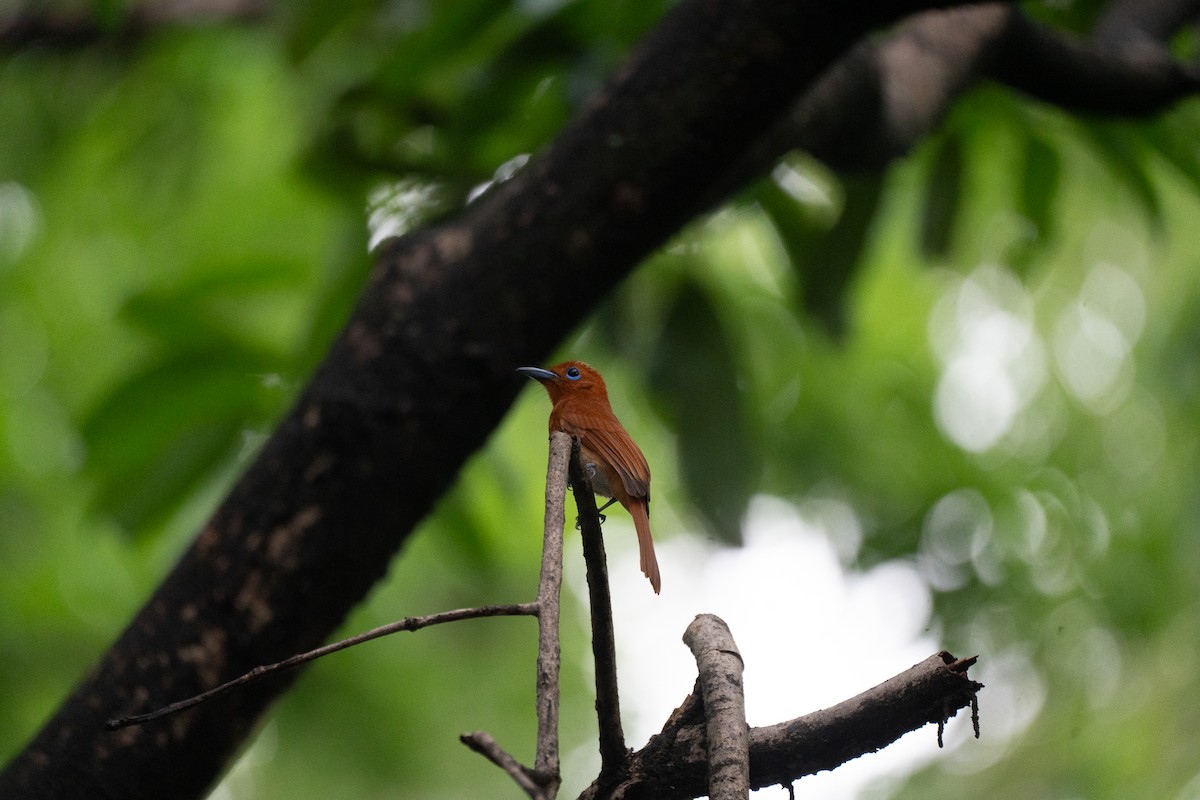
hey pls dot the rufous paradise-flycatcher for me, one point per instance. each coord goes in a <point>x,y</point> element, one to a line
<point>615,464</point>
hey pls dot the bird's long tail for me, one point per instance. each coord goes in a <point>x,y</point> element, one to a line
<point>640,511</point>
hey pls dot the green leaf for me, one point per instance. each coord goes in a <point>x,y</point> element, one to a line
<point>695,376</point>
<point>166,429</point>
<point>1119,153</point>
<point>1038,190</point>
<point>1176,143</point>
<point>943,195</point>
<point>1039,185</point>
<point>825,256</point>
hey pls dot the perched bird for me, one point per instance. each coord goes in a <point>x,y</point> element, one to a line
<point>615,464</point>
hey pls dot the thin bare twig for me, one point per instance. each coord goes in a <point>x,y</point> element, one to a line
<point>720,666</point>
<point>614,755</point>
<point>406,624</point>
<point>486,746</point>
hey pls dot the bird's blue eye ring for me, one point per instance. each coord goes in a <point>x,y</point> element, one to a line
<point>573,373</point>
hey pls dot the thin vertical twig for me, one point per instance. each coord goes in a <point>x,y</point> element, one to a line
<point>546,763</point>
<point>614,755</point>
<point>542,782</point>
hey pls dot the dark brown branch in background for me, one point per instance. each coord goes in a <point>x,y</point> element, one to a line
<point>674,763</point>
<point>68,25</point>
<point>447,313</point>
<point>1149,22</point>
<point>1108,78</point>
<point>890,92</point>
<point>726,734</point>
<point>613,752</point>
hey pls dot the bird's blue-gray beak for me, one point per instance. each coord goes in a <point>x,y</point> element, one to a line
<point>537,373</point>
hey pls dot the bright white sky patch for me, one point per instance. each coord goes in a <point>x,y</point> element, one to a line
<point>982,330</point>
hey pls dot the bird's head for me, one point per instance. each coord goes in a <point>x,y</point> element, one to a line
<point>567,379</point>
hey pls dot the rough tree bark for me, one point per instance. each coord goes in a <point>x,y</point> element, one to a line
<point>446,314</point>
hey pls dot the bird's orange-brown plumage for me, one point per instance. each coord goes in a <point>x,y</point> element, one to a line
<point>581,409</point>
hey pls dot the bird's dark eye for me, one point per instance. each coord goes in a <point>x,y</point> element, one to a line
<point>573,373</point>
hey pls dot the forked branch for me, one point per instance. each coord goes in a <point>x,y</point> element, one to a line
<point>675,762</point>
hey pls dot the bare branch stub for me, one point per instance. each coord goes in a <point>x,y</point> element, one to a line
<point>728,736</point>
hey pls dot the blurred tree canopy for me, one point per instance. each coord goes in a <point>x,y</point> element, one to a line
<point>989,350</point>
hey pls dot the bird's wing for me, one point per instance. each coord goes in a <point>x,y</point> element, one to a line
<point>604,435</point>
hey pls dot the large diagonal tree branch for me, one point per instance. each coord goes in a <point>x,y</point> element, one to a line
<point>419,376</point>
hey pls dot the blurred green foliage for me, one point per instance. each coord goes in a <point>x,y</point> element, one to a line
<point>992,353</point>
